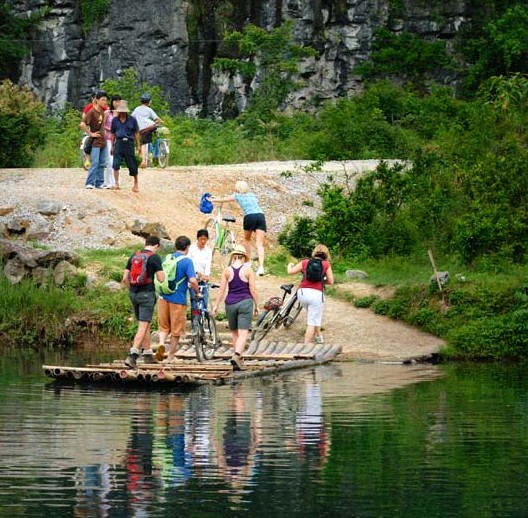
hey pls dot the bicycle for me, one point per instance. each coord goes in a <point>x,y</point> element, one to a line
<point>221,237</point>
<point>204,335</point>
<point>277,311</point>
<point>159,148</point>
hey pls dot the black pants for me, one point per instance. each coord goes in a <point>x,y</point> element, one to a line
<point>124,149</point>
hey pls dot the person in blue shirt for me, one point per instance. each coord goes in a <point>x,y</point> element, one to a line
<point>125,132</point>
<point>172,309</point>
<point>254,219</point>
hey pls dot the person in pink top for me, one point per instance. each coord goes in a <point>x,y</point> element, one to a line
<point>311,293</point>
<point>109,180</point>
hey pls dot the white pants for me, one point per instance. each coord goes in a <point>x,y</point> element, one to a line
<point>109,171</point>
<point>313,301</point>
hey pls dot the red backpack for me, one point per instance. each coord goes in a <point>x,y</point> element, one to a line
<point>138,268</point>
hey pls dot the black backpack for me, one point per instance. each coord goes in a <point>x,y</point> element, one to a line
<point>314,270</point>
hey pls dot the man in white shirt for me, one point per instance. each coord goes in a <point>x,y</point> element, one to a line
<point>202,257</point>
<point>148,121</point>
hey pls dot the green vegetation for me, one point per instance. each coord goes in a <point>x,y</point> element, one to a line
<point>459,190</point>
<point>93,11</point>
<point>22,124</point>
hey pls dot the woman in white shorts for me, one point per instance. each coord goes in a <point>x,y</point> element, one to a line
<point>311,293</point>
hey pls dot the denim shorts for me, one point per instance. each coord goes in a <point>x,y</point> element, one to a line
<point>143,303</point>
<point>239,315</point>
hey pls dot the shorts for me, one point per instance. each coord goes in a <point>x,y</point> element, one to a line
<point>146,134</point>
<point>239,315</point>
<point>255,222</point>
<point>143,303</point>
<point>124,149</point>
<point>171,317</point>
<point>313,301</point>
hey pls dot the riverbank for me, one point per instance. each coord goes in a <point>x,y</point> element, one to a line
<point>93,219</point>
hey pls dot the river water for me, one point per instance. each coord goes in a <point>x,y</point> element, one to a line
<point>343,439</point>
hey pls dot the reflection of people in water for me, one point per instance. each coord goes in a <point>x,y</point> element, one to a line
<point>313,438</point>
<point>176,459</point>
<point>141,482</point>
<point>241,437</point>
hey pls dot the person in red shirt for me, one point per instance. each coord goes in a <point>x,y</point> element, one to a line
<point>311,293</point>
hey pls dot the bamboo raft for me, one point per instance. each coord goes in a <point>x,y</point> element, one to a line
<point>261,359</point>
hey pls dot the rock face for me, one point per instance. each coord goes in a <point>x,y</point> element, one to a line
<point>173,43</point>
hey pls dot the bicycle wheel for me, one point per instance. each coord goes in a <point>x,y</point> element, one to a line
<point>265,322</point>
<point>211,340</point>
<point>197,336</point>
<point>163,154</point>
<point>291,313</point>
<point>210,226</point>
<point>227,245</point>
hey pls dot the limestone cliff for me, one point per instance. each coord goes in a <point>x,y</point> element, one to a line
<point>172,43</point>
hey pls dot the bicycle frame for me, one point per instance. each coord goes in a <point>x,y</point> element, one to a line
<point>205,336</point>
<point>277,311</point>
<point>221,236</point>
<point>159,149</point>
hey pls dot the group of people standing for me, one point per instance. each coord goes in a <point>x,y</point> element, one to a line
<point>237,291</point>
<point>116,136</point>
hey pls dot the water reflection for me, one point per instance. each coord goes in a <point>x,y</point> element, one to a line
<point>337,440</point>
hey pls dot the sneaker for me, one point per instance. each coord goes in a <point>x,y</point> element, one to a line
<point>319,339</point>
<point>237,362</point>
<point>90,186</point>
<point>149,358</point>
<point>131,360</point>
<point>260,271</point>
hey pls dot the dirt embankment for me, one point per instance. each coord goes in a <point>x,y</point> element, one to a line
<point>91,218</point>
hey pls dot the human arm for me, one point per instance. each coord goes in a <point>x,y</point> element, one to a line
<point>253,289</point>
<point>194,285</point>
<point>293,268</point>
<point>126,278</point>
<point>329,276</point>
<point>225,199</point>
<point>222,290</point>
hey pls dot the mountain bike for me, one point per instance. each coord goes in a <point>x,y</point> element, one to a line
<point>277,312</point>
<point>159,148</point>
<point>203,325</point>
<point>221,237</point>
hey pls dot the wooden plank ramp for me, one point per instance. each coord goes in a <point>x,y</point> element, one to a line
<point>261,359</point>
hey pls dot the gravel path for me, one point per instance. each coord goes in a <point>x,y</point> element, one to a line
<point>98,219</point>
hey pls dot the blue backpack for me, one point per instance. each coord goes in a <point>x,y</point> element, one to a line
<point>205,205</point>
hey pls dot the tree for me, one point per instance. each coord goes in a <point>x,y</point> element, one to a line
<point>22,124</point>
<point>271,60</point>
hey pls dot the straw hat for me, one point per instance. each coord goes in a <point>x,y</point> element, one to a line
<point>122,107</point>
<point>240,250</point>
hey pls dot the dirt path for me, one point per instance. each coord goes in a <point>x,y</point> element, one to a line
<point>92,218</point>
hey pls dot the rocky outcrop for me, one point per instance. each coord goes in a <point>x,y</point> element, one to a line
<point>173,43</point>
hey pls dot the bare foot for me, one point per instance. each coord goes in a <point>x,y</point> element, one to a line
<point>135,189</point>
<point>143,165</point>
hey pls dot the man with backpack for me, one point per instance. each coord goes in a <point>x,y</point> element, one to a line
<point>316,273</point>
<point>172,305</point>
<point>141,269</point>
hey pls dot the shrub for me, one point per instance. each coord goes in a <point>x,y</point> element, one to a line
<point>22,125</point>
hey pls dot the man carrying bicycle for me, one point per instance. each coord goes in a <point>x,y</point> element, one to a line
<point>148,122</point>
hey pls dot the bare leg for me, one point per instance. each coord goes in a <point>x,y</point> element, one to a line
<point>135,187</point>
<point>142,335</point>
<point>162,337</point>
<point>247,242</point>
<point>260,235</point>
<point>116,178</point>
<point>239,340</point>
<point>308,336</point>
<point>146,341</point>
<point>144,155</point>
<point>174,341</point>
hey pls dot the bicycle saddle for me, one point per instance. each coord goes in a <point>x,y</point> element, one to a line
<point>230,219</point>
<point>287,288</point>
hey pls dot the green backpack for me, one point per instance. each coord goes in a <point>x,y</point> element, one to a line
<point>169,284</point>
